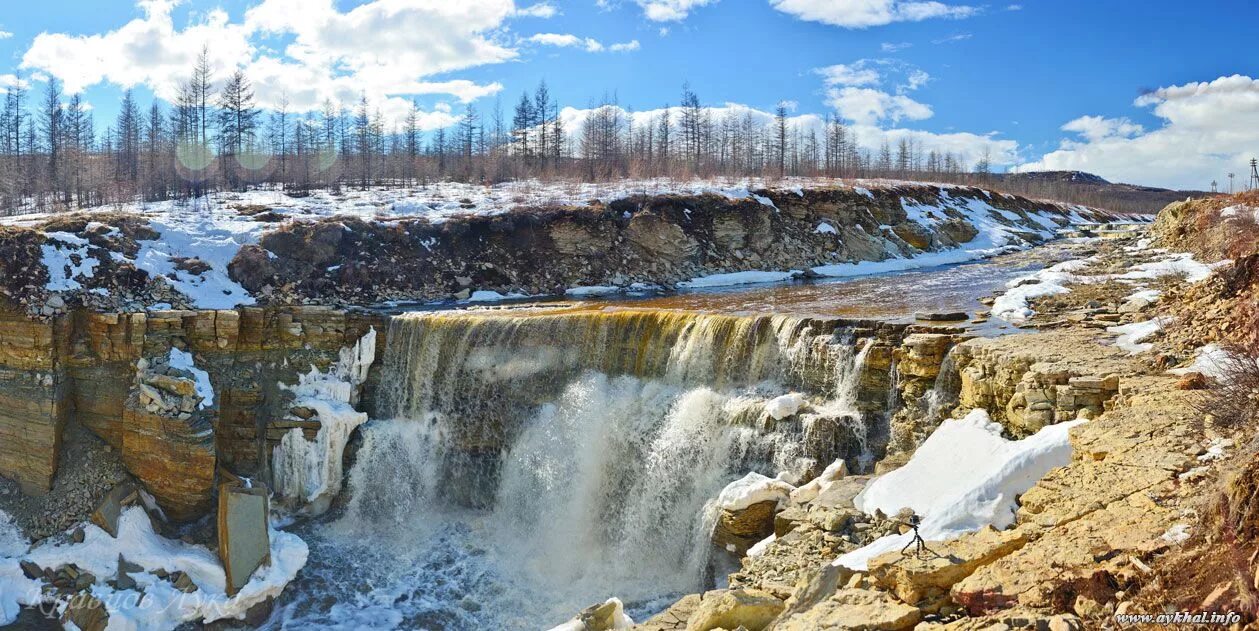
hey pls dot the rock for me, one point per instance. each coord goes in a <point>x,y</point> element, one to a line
<point>730,609</point>
<point>86,612</point>
<point>855,610</point>
<point>183,582</point>
<point>1193,381</point>
<point>244,539</point>
<point>739,530</point>
<point>77,535</point>
<point>110,509</point>
<point>948,316</point>
<point>31,570</point>
<point>674,617</point>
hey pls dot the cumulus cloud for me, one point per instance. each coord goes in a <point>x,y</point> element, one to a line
<point>385,49</point>
<point>867,106</point>
<point>544,10</point>
<point>5,34</point>
<point>867,13</point>
<point>869,138</point>
<point>669,10</point>
<point>856,74</point>
<point>856,91</point>
<point>568,40</point>
<point>1207,130</point>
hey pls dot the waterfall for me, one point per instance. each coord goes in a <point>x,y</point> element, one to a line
<point>584,449</point>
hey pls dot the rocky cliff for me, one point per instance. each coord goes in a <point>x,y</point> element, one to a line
<point>241,254</point>
<point>176,394</point>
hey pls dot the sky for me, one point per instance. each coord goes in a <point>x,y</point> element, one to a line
<point>1158,93</point>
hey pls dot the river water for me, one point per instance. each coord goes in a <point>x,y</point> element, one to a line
<point>525,462</point>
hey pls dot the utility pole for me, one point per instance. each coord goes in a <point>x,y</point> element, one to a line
<point>1254,175</point>
<point>1230,182</point>
<point>1213,186</point>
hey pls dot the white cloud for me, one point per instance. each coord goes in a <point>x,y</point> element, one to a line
<point>1097,128</point>
<point>544,10</point>
<point>867,106</point>
<point>952,39</point>
<point>853,90</point>
<point>5,35</point>
<point>568,40</point>
<point>1014,7</point>
<point>856,74</point>
<point>866,13</point>
<point>383,48</point>
<point>670,10</point>
<point>1208,130</point>
<point>8,81</point>
<point>893,47</point>
<point>967,146</point>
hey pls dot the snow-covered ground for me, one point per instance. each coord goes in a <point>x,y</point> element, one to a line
<point>163,606</point>
<point>1013,305</point>
<point>963,477</point>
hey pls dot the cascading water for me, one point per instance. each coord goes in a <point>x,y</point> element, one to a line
<point>521,467</point>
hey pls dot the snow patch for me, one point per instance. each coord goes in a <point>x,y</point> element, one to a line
<point>753,488</point>
<point>620,621</point>
<point>1210,360</point>
<point>786,405</point>
<point>825,228</point>
<point>60,252</point>
<point>738,278</point>
<point>163,607</point>
<point>964,476</point>
<point>1132,336</point>
<point>183,360</point>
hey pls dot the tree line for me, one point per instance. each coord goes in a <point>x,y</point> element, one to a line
<point>215,137</point>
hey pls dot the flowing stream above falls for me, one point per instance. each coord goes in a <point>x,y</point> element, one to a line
<point>522,465</point>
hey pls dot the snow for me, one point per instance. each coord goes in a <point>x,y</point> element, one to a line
<point>815,487</point>
<point>59,254</point>
<point>1132,336</point>
<point>738,278</point>
<point>1210,360</point>
<point>1216,450</point>
<point>1013,306</point>
<point>963,477</point>
<point>825,228</point>
<point>1180,264</point>
<point>761,546</point>
<point>1148,295</point>
<point>12,541</point>
<point>1237,212</point>
<point>1179,533</point>
<point>163,607</point>
<point>592,291</point>
<point>483,295</point>
<point>753,488</point>
<point>620,621</point>
<point>311,471</point>
<point>786,405</point>
<point>183,360</point>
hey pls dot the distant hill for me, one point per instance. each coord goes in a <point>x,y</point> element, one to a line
<point>1092,190</point>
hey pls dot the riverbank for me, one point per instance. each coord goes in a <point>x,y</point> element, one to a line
<point>1110,530</point>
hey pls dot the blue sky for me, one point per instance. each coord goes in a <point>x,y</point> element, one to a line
<point>962,76</point>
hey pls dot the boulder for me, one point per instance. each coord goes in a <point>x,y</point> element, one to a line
<point>86,612</point>
<point>855,609</point>
<point>915,579</point>
<point>738,530</point>
<point>244,538</point>
<point>731,609</point>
